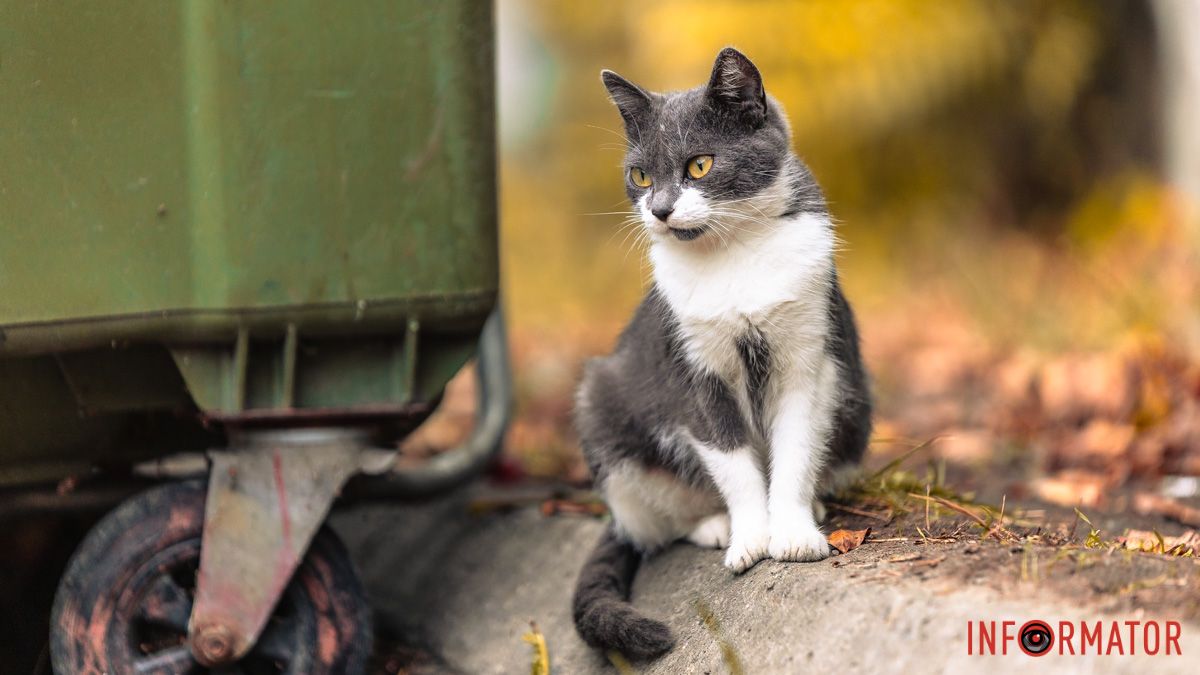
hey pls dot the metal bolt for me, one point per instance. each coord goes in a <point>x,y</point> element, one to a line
<point>213,645</point>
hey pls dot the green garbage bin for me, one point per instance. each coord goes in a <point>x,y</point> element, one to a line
<point>225,220</point>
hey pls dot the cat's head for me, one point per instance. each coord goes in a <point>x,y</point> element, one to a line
<point>713,160</point>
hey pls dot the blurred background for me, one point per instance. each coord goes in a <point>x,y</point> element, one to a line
<point>1014,186</point>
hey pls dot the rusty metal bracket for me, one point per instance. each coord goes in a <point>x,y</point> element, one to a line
<point>267,497</point>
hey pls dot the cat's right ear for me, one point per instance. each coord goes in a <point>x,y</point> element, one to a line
<point>633,101</point>
<point>737,85</point>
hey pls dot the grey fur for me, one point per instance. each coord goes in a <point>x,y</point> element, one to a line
<point>629,401</point>
<point>664,131</point>
<point>648,385</point>
<point>601,606</point>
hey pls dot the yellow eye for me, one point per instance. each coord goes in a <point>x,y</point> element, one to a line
<point>698,166</point>
<point>640,178</point>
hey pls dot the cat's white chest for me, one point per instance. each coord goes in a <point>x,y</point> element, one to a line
<point>776,283</point>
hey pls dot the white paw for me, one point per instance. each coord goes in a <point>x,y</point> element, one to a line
<point>712,532</point>
<point>798,542</point>
<point>745,550</point>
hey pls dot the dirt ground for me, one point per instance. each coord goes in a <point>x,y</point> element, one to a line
<point>456,585</point>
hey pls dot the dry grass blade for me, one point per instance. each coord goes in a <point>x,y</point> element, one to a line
<point>541,653</point>
<point>728,652</point>
<point>999,526</point>
<point>927,507</point>
<point>618,661</point>
<point>1186,545</point>
<point>891,466</point>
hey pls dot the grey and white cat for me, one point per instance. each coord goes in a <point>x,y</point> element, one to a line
<point>736,393</point>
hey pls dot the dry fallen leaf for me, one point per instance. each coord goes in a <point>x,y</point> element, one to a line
<point>847,540</point>
<point>1101,439</point>
<point>1186,544</point>
<point>1072,488</point>
<point>1149,503</point>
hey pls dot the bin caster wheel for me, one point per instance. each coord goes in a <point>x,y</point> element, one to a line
<point>125,600</point>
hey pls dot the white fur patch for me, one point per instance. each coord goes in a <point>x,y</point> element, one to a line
<point>712,532</point>
<point>749,278</point>
<point>776,280</point>
<point>653,508</point>
<point>692,210</point>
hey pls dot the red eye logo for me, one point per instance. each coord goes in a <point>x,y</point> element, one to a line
<point>1035,638</point>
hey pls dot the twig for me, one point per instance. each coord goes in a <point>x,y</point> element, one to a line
<point>952,506</point>
<point>862,512</point>
<point>968,513</point>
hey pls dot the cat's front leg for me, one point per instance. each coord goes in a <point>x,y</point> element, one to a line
<point>739,479</point>
<point>797,450</point>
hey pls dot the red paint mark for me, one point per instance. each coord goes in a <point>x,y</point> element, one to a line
<point>284,517</point>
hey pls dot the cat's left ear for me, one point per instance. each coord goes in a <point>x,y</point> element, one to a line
<point>737,84</point>
<point>632,101</point>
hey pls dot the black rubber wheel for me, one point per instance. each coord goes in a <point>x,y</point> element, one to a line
<point>125,599</point>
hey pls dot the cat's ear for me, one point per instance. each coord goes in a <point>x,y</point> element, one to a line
<point>633,101</point>
<point>737,84</point>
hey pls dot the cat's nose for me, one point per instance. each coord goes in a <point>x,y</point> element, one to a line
<point>663,212</point>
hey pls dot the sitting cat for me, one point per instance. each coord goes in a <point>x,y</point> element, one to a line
<point>736,393</point>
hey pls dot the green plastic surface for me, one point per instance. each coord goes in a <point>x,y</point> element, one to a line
<point>179,173</point>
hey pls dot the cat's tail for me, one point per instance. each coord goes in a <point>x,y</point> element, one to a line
<point>603,615</point>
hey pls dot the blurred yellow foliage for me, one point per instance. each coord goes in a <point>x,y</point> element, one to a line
<point>942,132</point>
<point>861,68</point>
<point>992,167</point>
